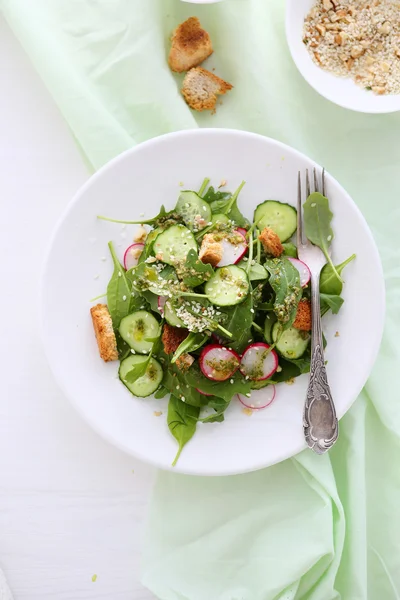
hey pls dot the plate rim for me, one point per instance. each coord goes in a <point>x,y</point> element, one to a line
<point>42,317</point>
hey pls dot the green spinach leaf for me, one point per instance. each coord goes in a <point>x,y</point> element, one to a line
<point>289,249</point>
<point>329,282</point>
<point>161,393</point>
<point>195,272</point>
<point>257,272</point>
<point>119,292</point>
<point>285,281</point>
<point>330,301</point>
<point>317,224</point>
<point>189,344</point>
<point>238,323</point>
<point>182,421</point>
<point>176,382</point>
<point>222,389</point>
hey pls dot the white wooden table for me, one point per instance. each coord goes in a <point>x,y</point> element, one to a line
<point>71,506</point>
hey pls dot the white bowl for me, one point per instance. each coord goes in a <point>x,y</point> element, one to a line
<point>343,92</point>
<point>138,182</point>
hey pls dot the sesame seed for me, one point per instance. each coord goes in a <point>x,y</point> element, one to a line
<point>119,274</point>
<point>124,298</point>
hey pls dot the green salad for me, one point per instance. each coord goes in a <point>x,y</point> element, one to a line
<point>209,308</point>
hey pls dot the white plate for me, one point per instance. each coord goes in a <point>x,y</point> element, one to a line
<point>139,181</point>
<point>343,92</point>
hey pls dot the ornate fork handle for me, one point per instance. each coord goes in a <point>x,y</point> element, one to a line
<point>320,422</point>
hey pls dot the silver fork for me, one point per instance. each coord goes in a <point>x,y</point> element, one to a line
<point>319,419</point>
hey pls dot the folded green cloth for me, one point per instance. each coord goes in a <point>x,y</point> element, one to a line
<point>313,527</point>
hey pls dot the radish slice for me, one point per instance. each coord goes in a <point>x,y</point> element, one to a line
<point>259,398</point>
<point>232,253</point>
<point>160,304</point>
<point>218,363</point>
<point>304,271</point>
<point>132,255</point>
<point>258,362</point>
<point>202,393</point>
<point>242,231</point>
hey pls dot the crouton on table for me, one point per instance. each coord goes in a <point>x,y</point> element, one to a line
<point>190,46</point>
<point>200,89</point>
<point>103,329</point>
<point>271,243</point>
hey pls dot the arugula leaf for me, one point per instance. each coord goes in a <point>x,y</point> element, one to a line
<point>220,406</point>
<point>195,272</point>
<point>285,281</point>
<point>267,306</point>
<point>317,223</point>
<point>151,299</point>
<point>216,199</point>
<point>182,421</point>
<point>233,212</point>
<point>119,291</point>
<point>329,283</point>
<point>239,321</point>
<point>138,370</point>
<point>152,221</point>
<point>222,389</point>
<point>289,249</point>
<point>189,344</point>
<point>330,301</point>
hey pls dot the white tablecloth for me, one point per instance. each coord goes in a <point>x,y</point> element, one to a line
<point>71,506</point>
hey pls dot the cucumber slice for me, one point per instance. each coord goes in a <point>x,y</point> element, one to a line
<point>228,286</point>
<point>173,244</point>
<point>138,327</point>
<point>270,321</point>
<point>195,212</point>
<point>148,383</point>
<point>280,217</point>
<point>292,343</point>
<point>171,316</point>
<point>219,218</point>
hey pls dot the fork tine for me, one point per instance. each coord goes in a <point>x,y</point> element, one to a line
<point>300,234</point>
<point>315,180</point>
<point>308,192</point>
<point>323,181</point>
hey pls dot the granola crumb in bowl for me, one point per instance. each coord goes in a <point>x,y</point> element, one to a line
<point>349,51</point>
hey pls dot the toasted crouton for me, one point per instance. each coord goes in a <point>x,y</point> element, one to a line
<point>303,316</point>
<point>190,46</point>
<point>104,332</point>
<point>184,362</point>
<point>200,89</point>
<point>210,251</point>
<point>271,242</point>
<point>172,337</point>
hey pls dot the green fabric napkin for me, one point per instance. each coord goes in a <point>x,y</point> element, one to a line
<point>317,528</point>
